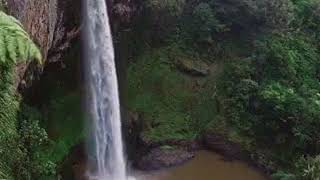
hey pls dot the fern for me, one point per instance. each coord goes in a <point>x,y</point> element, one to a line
<point>15,43</point>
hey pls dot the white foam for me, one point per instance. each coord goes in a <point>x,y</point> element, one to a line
<point>103,97</point>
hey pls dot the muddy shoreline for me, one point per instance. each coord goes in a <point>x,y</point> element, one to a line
<point>151,157</point>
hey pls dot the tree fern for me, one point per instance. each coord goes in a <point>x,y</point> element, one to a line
<point>15,43</point>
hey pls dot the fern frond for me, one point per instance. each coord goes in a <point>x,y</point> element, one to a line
<point>22,47</point>
<point>2,48</point>
<point>11,47</point>
<point>15,43</point>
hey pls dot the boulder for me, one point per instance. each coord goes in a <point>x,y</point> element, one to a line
<point>159,158</point>
<point>194,67</point>
<point>75,164</point>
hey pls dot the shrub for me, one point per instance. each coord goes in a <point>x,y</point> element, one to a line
<point>306,168</point>
<point>160,17</point>
<point>33,140</point>
<point>291,59</point>
<point>278,14</point>
<point>309,168</point>
<point>254,15</point>
<point>237,88</point>
<point>202,24</point>
<point>171,7</point>
<point>307,14</point>
<point>237,13</point>
<point>273,94</point>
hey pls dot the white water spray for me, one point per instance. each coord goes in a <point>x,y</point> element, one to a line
<point>107,158</point>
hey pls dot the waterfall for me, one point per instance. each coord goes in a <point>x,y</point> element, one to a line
<point>106,149</point>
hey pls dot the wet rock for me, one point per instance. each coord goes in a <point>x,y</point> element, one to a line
<point>132,126</point>
<point>194,67</point>
<point>189,145</point>
<point>159,158</point>
<point>75,165</point>
<point>221,145</point>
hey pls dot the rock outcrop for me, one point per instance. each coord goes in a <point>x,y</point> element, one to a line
<point>193,67</point>
<point>159,158</point>
<point>220,144</point>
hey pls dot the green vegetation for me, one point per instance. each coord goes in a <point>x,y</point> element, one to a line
<point>64,113</point>
<point>21,137</point>
<point>267,95</point>
<point>262,92</point>
<point>15,42</point>
<point>26,152</point>
<point>165,97</point>
<point>3,5</point>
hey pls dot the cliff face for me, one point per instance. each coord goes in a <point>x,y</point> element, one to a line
<point>51,23</point>
<point>54,25</point>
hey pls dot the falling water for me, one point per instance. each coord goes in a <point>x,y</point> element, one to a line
<point>106,149</point>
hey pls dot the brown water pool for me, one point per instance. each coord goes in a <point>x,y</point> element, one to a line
<point>209,166</point>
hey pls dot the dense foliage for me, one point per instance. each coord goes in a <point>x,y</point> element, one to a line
<point>266,98</point>
<point>21,136</point>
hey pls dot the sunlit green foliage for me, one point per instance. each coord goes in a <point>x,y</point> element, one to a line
<point>15,42</point>
<point>306,168</point>
<point>309,168</point>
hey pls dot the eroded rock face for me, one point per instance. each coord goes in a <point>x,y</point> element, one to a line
<point>51,23</point>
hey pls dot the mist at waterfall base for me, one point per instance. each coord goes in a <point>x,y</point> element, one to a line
<point>105,147</point>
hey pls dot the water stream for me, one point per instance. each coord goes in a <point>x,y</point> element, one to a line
<point>106,149</point>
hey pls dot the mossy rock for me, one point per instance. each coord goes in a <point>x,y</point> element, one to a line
<point>193,67</point>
